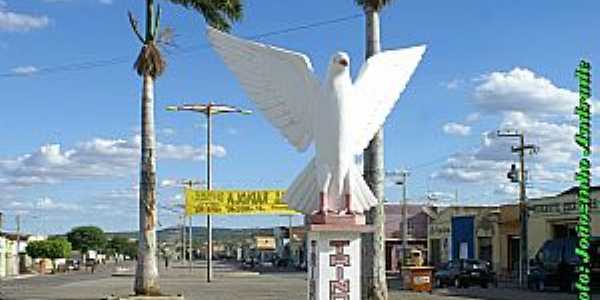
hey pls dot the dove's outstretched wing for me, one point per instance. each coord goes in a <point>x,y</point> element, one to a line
<point>280,82</point>
<point>378,86</point>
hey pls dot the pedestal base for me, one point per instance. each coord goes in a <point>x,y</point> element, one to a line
<point>334,219</point>
<point>334,261</point>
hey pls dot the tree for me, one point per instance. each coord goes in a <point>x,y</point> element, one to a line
<point>37,249</point>
<point>121,245</point>
<point>149,65</point>
<point>52,248</point>
<point>117,244</point>
<point>86,238</point>
<point>59,248</point>
<point>374,279</point>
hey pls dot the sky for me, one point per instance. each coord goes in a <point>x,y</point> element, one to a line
<point>71,103</point>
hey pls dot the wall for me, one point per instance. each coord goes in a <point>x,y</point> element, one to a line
<point>560,209</point>
<point>3,250</point>
<point>508,225</point>
<point>12,260</point>
<point>440,228</point>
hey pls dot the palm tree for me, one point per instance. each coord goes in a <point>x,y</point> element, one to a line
<point>150,64</point>
<point>374,279</point>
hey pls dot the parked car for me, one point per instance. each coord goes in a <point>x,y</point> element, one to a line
<point>465,273</point>
<point>555,265</point>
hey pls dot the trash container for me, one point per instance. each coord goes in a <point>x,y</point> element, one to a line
<point>421,278</point>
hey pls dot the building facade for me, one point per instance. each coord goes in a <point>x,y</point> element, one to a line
<point>556,217</point>
<point>418,217</point>
<point>506,249</point>
<point>463,232</point>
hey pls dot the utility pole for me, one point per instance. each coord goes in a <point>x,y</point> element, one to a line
<point>290,238</point>
<point>402,180</point>
<point>523,210</point>
<point>18,220</point>
<point>182,219</point>
<point>209,246</point>
<point>190,261</point>
<point>189,184</point>
<point>208,110</point>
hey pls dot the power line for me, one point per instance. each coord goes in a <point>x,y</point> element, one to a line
<point>178,51</point>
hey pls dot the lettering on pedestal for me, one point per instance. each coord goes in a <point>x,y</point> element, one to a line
<point>339,289</point>
<point>313,265</point>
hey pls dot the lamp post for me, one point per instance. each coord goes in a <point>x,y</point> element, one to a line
<point>402,175</point>
<point>209,109</point>
<point>524,214</point>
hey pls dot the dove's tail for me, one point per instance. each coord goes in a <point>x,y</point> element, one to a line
<point>362,198</point>
<point>303,194</point>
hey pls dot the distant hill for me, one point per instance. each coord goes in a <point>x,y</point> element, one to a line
<point>173,234</point>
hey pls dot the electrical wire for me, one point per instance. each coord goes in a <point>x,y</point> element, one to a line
<point>177,51</point>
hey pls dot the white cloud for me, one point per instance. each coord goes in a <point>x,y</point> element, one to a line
<point>168,131</point>
<point>530,104</point>
<point>510,191</point>
<point>99,157</point>
<point>24,70</point>
<point>167,183</point>
<point>521,90</point>
<point>453,84</point>
<point>466,168</point>
<point>456,129</point>
<point>131,193</point>
<point>44,203</point>
<point>491,160</point>
<point>473,117</point>
<point>17,22</point>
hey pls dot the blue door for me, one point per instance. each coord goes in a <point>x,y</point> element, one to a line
<point>463,241</point>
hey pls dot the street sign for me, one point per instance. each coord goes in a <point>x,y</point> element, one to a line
<point>236,202</point>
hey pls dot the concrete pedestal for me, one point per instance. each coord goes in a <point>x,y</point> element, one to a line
<point>334,262</point>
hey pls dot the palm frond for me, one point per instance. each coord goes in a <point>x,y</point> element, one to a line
<point>217,13</point>
<point>373,4</point>
<point>166,37</point>
<point>150,61</point>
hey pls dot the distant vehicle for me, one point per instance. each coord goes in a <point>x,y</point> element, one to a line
<point>72,264</point>
<point>465,273</point>
<point>555,265</point>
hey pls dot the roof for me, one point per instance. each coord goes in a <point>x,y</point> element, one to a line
<point>575,190</point>
<point>13,236</point>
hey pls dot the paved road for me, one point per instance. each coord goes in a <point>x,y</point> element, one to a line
<point>230,284</point>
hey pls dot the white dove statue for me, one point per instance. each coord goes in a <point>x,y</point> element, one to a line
<point>338,115</point>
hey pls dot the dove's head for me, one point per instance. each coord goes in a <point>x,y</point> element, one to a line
<point>340,62</point>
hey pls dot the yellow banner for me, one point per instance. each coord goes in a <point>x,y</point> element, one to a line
<point>232,202</point>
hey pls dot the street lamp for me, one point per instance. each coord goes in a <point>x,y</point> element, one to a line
<point>210,109</point>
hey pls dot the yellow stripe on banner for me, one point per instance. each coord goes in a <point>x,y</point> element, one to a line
<point>235,202</point>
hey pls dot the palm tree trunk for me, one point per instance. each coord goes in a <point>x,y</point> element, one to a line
<point>374,279</point>
<point>146,275</point>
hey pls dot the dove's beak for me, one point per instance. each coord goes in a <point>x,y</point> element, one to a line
<point>343,62</point>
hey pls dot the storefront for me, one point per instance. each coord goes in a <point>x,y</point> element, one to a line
<point>507,241</point>
<point>556,217</point>
<point>462,232</point>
